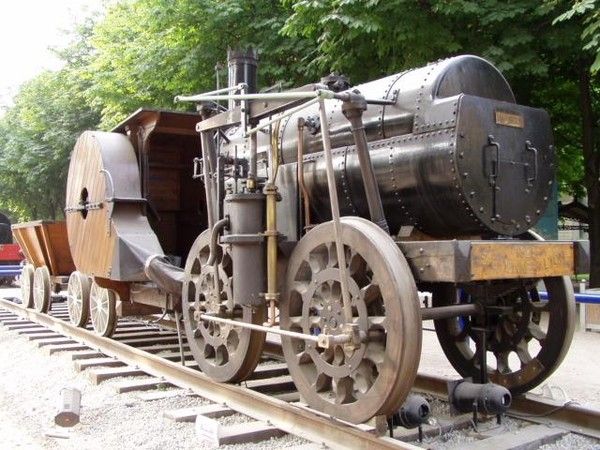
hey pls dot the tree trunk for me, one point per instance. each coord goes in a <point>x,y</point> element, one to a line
<point>591,163</point>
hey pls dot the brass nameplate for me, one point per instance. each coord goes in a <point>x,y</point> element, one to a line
<point>509,119</point>
<point>496,260</point>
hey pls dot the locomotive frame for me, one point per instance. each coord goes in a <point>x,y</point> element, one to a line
<point>316,223</point>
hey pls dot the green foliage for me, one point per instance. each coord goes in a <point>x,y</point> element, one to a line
<point>147,51</point>
<point>589,12</point>
<point>36,138</point>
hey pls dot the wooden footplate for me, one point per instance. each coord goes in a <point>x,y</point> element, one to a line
<point>460,261</point>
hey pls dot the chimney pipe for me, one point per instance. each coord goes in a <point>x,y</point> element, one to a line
<point>242,66</point>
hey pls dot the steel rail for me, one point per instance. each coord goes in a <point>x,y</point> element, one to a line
<point>572,417</point>
<point>299,421</point>
<point>287,417</point>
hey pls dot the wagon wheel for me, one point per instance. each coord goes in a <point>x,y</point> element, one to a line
<point>103,311</point>
<point>375,378</point>
<point>41,289</point>
<point>223,352</point>
<point>78,298</point>
<point>527,338</point>
<point>27,286</point>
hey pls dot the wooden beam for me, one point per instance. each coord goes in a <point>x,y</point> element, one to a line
<point>533,436</point>
<point>212,410</point>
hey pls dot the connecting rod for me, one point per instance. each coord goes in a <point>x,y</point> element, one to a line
<point>335,213</point>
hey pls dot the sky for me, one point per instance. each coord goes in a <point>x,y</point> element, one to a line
<point>27,29</point>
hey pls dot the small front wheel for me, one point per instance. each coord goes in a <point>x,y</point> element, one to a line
<point>27,286</point>
<point>78,298</point>
<point>41,289</point>
<point>103,310</point>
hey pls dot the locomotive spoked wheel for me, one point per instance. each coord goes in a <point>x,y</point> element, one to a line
<point>223,352</point>
<point>103,312</point>
<point>78,298</point>
<point>27,286</point>
<point>41,289</point>
<point>526,337</point>
<point>352,384</point>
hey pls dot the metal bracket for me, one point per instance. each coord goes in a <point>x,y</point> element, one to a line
<point>84,207</point>
<point>493,170</point>
<point>531,148</point>
<point>198,168</point>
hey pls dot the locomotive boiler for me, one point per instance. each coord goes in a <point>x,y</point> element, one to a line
<point>317,214</point>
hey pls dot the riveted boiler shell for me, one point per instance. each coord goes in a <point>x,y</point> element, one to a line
<point>111,238</point>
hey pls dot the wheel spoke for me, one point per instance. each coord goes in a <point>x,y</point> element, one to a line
<point>502,362</point>
<point>370,293</point>
<point>343,390</point>
<point>522,350</point>
<point>536,331</point>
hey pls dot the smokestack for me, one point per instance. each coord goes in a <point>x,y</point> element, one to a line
<point>242,66</point>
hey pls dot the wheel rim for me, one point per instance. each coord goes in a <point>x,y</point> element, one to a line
<point>26,286</point>
<point>102,310</point>
<point>78,290</point>
<point>524,345</point>
<point>41,289</point>
<point>375,378</point>
<point>223,352</point>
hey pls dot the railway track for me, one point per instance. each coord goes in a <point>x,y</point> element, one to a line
<point>269,398</point>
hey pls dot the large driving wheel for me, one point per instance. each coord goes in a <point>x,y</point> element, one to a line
<point>27,286</point>
<point>78,298</point>
<point>41,289</point>
<point>223,352</point>
<point>526,338</point>
<point>103,310</point>
<point>375,377</point>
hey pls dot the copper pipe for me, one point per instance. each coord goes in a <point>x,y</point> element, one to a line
<point>304,192</point>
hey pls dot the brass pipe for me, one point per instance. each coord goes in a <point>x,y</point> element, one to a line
<point>272,295</point>
<point>304,192</point>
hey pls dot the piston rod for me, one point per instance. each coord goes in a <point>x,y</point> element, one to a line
<point>447,312</point>
<point>322,340</point>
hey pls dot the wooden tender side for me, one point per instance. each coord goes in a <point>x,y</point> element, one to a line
<point>45,243</point>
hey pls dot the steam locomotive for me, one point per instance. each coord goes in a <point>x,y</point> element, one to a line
<point>317,214</point>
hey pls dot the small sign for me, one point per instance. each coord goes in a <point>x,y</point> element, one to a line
<point>208,429</point>
<point>509,119</point>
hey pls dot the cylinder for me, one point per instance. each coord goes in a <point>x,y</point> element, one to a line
<point>413,413</point>
<point>453,155</point>
<point>246,213</point>
<point>68,408</point>
<point>489,398</point>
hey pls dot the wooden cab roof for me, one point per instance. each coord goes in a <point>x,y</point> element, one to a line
<point>160,121</point>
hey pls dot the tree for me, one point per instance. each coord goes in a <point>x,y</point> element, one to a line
<point>37,136</point>
<point>148,51</point>
<point>587,15</point>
